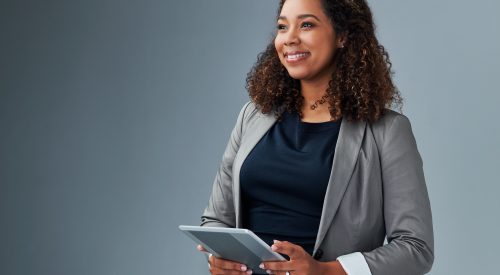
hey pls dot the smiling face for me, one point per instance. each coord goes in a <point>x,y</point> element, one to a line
<point>306,41</point>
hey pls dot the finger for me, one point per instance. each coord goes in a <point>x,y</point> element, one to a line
<point>276,267</point>
<point>292,250</point>
<point>201,248</point>
<point>226,264</point>
<point>220,271</point>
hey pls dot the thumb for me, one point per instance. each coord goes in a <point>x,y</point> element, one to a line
<point>292,250</point>
<point>201,248</point>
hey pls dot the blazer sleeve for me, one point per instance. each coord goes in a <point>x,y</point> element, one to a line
<point>407,210</point>
<point>220,210</point>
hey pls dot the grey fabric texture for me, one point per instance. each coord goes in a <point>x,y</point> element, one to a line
<point>376,190</point>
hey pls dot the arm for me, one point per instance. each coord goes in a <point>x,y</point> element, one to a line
<point>407,211</point>
<point>220,210</point>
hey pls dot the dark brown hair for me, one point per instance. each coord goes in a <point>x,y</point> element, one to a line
<point>361,86</point>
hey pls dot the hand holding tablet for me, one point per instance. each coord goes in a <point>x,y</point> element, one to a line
<point>241,247</point>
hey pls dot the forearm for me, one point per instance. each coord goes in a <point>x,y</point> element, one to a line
<point>332,268</point>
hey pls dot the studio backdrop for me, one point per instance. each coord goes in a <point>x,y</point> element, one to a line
<point>114,116</point>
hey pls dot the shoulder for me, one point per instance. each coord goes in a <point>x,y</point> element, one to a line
<point>391,129</point>
<point>249,112</point>
<point>249,109</point>
<point>390,121</point>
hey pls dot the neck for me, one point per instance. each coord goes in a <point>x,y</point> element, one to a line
<point>312,92</point>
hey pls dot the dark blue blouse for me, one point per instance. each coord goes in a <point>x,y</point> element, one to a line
<point>284,180</point>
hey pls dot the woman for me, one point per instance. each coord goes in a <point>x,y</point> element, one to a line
<point>317,166</point>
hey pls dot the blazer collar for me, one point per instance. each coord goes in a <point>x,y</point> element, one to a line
<point>346,154</point>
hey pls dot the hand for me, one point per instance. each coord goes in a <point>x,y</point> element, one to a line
<point>300,263</point>
<point>222,267</point>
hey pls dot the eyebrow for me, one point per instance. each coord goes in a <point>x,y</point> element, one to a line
<point>301,16</point>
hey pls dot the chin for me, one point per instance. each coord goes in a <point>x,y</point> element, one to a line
<point>298,75</point>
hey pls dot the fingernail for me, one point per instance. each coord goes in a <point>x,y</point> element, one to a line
<point>276,241</point>
<point>198,247</point>
<point>243,268</point>
<point>249,272</point>
<point>261,265</point>
<point>268,271</point>
<point>273,247</point>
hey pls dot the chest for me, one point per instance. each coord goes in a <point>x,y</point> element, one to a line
<point>292,161</point>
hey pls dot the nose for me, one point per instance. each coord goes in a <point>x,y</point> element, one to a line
<point>291,37</point>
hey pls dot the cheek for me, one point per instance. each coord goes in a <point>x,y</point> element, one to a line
<point>278,45</point>
<point>326,47</point>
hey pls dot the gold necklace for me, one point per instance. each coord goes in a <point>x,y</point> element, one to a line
<point>319,101</point>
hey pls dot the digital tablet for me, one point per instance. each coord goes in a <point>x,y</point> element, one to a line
<point>235,244</point>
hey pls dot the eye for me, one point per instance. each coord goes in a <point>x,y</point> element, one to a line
<point>307,25</point>
<point>281,27</point>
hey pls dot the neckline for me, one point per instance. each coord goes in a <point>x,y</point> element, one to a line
<point>316,126</point>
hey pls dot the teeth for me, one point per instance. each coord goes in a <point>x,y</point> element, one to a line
<point>296,56</point>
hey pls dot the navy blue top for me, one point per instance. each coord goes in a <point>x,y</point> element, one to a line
<point>284,180</point>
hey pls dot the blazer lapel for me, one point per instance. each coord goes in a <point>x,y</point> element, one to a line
<point>346,154</point>
<point>253,134</point>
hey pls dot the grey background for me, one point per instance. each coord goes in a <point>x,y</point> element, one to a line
<point>114,116</point>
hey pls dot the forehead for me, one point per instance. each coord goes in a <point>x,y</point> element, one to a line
<point>291,8</point>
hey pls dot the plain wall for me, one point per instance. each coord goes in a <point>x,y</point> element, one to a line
<point>114,116</point>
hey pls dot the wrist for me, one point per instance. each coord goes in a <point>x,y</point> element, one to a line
<point>332,268</point>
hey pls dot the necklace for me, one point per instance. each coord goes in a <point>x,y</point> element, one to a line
<point>319,101</point>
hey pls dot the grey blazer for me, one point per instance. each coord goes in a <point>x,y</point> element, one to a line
<point>376,190</point>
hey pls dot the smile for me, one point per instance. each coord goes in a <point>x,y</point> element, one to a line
<point>296,56</point>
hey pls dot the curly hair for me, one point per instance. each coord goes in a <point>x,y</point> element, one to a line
<point>360,88</point>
